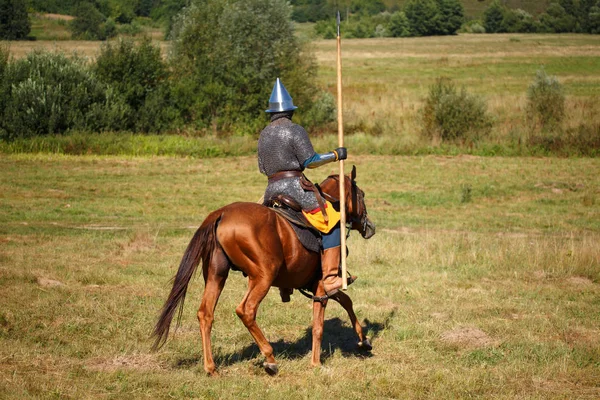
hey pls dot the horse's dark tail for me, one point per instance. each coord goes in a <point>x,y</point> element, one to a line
<point>200,247</point>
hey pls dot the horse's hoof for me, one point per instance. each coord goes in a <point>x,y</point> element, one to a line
<point>213,373</point>
<point>365,345</point>
<point>271,368</point>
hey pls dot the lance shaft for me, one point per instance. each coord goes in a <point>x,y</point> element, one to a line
<point>341,144</point>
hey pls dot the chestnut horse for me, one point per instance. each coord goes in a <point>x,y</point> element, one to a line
<point>259,242</point>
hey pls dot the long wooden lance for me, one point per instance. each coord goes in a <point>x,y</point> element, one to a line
<point>341,144</point>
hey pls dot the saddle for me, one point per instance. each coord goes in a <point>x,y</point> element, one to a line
<point>289,209</point>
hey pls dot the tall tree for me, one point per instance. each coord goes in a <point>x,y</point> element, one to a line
<point>493,17</point>
<point>14,21</point>
<point>423,16</point>
<point>451,16</point>
<point>88,21</point>
<point>227,55</point>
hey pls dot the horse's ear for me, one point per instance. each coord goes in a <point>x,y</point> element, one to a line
<point>353,175</point>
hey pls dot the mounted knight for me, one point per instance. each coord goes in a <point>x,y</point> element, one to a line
<point>284,152</point>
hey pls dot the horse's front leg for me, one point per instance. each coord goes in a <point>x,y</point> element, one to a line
<point>346,302</point>
<point>317,328</point>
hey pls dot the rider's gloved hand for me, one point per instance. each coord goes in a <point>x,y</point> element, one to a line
<point>342,153</point>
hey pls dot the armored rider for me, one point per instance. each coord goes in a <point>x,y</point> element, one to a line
<point>284,151</point>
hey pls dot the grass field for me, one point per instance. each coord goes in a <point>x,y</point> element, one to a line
<point>386,80</point>
<point>483,281</point>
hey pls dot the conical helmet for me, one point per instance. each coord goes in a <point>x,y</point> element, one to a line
<point>280,99</point>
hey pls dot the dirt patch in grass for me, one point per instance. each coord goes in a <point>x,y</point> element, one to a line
<point>45,282</point>
<point>57,16</point>
<point>579,281</point>
<point>469,338</point>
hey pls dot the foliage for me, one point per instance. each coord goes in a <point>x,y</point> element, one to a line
<point>48,93</point>
<point>545,101</point>
<point>312,11</point>
<point>493,17</point>
<point>451,16</point>
<point>517,20</point>
<point>417,18</point>
<point>423,17</point>
<point>473,26</point>
<point>226,56</point>
<point>399,25</point>
<point>453,115</point>
<point>557,20</point>
<point>559,17</point>
<point>14,21</point>
<point>368,7</point>
<point>138,77</point>
<point>88,23</point>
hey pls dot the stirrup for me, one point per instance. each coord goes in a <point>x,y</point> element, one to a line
<point>350,280</point>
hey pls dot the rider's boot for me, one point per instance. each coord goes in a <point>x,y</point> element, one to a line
<point>330,261</point>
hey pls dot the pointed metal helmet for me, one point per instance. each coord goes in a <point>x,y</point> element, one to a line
<point>280,99</point>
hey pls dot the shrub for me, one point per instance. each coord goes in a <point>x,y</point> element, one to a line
<point>493,17</point>
<point>227,55</point>
<point>139,77</point>
<point>14,21</point>
<point>87,24</point>
<point>557,20</point>
<point>453,115</point>
<point>399,25</point>
<point>518,20</point>
<point>49,93</point>
<point>545,101</point>
<point>321,112</point>
<point>423,17</point>
<point>451,16</point>
<point>472,26</point>
<point>326,29</point>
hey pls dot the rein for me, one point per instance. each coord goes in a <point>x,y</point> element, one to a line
<point>357,199</point>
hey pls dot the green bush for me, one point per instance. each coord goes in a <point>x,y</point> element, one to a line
<point>399,25</point>
<point>545,101</point>
<point>557,20</point>
<point>88,23</point>
<point>450,114</point>
<point>14,21</point>
<point>517,20</point>
<point>139,79</point>
<point>423,17</point>
<point>226,57</point>
<point>48,93</point>
<point>493,17</point>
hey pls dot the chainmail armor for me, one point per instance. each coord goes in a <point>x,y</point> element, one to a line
<point>284,146</point>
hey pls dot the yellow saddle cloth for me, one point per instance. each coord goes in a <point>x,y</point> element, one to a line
<point>316,219</point>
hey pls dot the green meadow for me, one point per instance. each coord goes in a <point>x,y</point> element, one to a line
<point>483,281</point>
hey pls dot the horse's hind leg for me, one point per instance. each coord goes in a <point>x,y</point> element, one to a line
<point>257,290</point>
<point>346,302</point>
<point>317,328</point>
<point>215,275</point>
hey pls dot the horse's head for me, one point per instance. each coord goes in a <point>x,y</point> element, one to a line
<point>356,210</point>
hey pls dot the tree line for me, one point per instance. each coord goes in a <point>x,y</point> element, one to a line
<point>415,18</point>
<point>561,16</point>
<point>226,55</point>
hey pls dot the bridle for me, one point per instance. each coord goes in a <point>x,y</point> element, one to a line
<point>359,215</point>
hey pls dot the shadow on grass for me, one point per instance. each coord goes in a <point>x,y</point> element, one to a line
<point>337,336</point>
